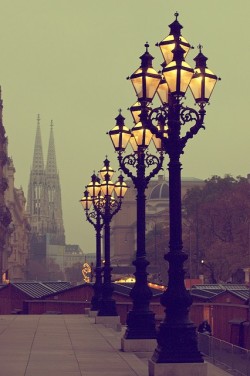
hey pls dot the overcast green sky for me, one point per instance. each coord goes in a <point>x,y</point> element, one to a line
<point>68,60</point>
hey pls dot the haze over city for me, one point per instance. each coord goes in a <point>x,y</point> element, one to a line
<point>68,61</point>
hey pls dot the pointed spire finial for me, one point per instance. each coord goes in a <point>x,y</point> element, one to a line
<point>175,27</point>
<point>119,119</point>
<point>38,164</point>
<point>51,168</point>
<point>200,47</point>
<point>200,59</point>
<point>146,58</point>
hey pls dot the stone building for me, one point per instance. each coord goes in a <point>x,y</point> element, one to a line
<point>14,226</point>
<point>5,216</point>
<point>17,242</point>
<point>123,225</point>
<point>73,255</point>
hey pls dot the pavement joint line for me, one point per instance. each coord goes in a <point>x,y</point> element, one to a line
<point>34,336</point>
<point>8,325</point>
<point>65,322</point>
<point>127,357</point>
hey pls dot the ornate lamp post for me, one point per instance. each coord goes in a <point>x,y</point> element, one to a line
<point>107,205</point>
<point>177,341</point>
<point>95,219</point>
<point>172,125</point>
<point>140,320</point>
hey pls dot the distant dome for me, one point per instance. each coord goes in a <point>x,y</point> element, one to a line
<point>159,192</point>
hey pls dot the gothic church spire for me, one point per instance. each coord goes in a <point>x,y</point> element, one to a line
<point>44,194</point>
<point>38,164</point>
<point>36,198</point>
<point>55,223</point>
<point>51,169</point>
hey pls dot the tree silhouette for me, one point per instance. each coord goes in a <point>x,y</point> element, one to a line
<point>217,217</point>
<point>74,272</point>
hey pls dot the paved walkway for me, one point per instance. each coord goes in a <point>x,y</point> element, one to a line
<point>66,345</point>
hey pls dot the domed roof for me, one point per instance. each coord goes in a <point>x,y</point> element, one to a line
<point>159,192</point>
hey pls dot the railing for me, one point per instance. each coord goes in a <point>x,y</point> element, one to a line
<point>234,358</point>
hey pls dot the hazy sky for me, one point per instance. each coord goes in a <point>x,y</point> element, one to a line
<point>68,59</point>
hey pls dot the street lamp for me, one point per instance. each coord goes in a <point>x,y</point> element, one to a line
<point>177,342</point>
<point>140,320</point>
<point>95,219</point>
<point>172,125</point>
<point>107,203</point>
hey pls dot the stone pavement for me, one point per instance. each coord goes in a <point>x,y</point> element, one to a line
<point>66,345</point>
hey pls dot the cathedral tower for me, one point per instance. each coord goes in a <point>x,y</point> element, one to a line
<point>44,198</point>
<point>55,221</point>
<point>37,206</point>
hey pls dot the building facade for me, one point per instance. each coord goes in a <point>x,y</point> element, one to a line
<point>73,255</point>
<point>5,215</point>
<point>18,237</point>
<point>14,226</point>
<point>123,225</point>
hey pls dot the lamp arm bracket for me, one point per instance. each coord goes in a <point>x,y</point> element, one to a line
<point>91,217</point>
<point>156,116</point>
<point>130,160</point>
<point>188,114</point>
<point>116,206</point>
<point>107,213</point>
<point>134,160</point>
<point>151,160</point>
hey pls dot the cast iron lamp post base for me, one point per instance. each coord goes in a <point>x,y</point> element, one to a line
<point>177,369</point>
<point>107,303</point>
<point>140,320</point>
<point>95,301</point>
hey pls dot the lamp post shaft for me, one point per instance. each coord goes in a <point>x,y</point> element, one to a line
<point>141,202</point>
<point>140,320</point>
<point>107,304</point>
<point>95,302</point>
<point>175,242</point>
<point>174,168</point>
<point>177,339</point>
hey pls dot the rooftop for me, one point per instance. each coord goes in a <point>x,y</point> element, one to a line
<point>211,290</point>
<point>39,289</point>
